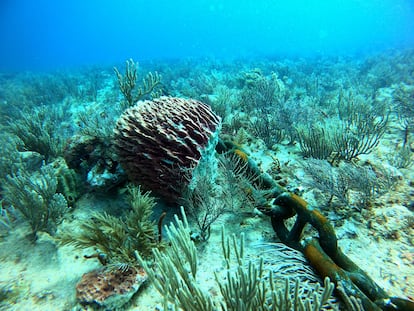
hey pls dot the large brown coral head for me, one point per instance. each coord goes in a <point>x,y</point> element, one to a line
<point>161,140</point>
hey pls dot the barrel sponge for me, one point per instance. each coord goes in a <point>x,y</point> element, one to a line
<point>159,142</point>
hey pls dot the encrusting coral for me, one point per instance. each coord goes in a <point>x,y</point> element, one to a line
<point>159,142</point>
<point>110,288</point>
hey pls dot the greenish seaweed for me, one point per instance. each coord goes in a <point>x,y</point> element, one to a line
<point>37,132</point>
<point>34,196</point>
<point>117,238</point>
<point>10,158</point>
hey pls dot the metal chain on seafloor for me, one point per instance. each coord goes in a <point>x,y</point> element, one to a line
<point>322,251</point>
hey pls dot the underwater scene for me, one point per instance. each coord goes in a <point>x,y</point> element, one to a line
<point>207,155</point>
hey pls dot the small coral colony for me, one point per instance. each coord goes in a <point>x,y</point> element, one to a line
<point>193,156</point>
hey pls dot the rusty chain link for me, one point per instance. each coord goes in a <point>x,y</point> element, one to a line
<point>322,251</point>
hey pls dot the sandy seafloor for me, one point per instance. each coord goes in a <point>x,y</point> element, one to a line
<point>44,275</point>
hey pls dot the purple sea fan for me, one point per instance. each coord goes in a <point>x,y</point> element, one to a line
<point>159,142</point>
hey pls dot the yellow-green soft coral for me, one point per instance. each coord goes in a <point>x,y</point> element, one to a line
<point>117,238</point>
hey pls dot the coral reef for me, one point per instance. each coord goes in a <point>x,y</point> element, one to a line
<point>338,132</point>
<point>204,204</point>
<point>159,142</point>
<point>116,240</point>
<point>360,133</point>
<point>315,142</point>
<point>110,288</point>
<point>266,127</point>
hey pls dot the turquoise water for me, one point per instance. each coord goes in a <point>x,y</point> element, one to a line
<point>49,34</point>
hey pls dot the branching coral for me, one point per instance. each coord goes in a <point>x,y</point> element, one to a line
<point>361,128</point>
<point>261,92</point>
<point>224,102</point>
<point>34,196</point>
<point>315,142</point>
<point>247,286</point>
<point>203,205</point>
<point>339,182</point>
<point>175,275</point>
<point>117,238</point>
<point>356,130</point>
<point>327,179</point>
<point>37,132</point>
<point>266,127</point>
<point>10,158</point>
<point>94,125</point>
<point>403,101</point>
<point>229,187</point>
<point>238,183</point>
<point>128,84</point>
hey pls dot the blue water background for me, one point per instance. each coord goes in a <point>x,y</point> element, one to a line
<point>49,34</point>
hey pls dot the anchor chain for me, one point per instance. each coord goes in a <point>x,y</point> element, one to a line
<point>321,251</point>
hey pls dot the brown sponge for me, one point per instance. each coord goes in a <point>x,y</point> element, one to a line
<point>159,142</point>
